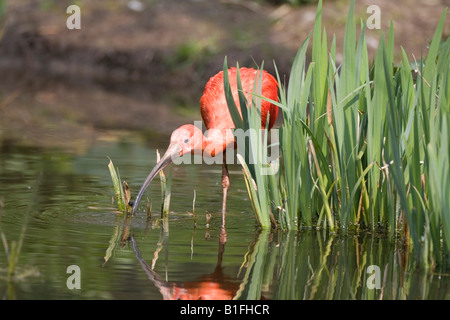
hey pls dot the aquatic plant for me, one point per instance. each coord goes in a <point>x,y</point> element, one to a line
<point>123,196</point>
<point>118,188</point>
<point>364,146</point>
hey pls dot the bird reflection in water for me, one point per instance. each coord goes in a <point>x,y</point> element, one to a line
<point>214,286</point>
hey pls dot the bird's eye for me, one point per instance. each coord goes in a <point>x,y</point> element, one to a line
<point>186,140</point>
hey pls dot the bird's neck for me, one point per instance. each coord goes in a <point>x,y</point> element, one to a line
<point>216,141</point>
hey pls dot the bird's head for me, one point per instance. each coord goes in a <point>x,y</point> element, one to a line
<point>184,140</point>
<point>188,139</point>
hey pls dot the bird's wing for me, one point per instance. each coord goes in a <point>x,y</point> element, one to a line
<point>214,108</point>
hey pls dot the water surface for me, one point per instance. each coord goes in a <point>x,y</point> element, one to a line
<point>61,203</point>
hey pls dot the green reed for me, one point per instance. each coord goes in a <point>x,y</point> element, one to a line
<point>119,191</point>
<point>166,189</point>
<point>364,145</point>
<point>13,250</point>
<point>317,265</point>
<point>255,146</point>
<point>123,194</point>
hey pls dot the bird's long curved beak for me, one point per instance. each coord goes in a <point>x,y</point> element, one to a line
<point>173,151</point>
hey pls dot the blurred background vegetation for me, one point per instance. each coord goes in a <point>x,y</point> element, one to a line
<point>142,64</point>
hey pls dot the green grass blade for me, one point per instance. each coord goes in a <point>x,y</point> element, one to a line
<point>120,197</point>
<point>234,112</point>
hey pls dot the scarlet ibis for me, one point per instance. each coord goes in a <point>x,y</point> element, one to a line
<point>214,286</point>
<point>215,113</point>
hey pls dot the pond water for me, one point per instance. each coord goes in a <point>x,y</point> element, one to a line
<point>60,204</point>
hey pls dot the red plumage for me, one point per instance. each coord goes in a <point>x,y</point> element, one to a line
<point>189,139</point>
<point>213,103</point>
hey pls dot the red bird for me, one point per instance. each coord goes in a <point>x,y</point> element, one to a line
<point>216,116</point>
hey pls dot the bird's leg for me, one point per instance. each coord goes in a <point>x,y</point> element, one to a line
<point>225,186</point>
